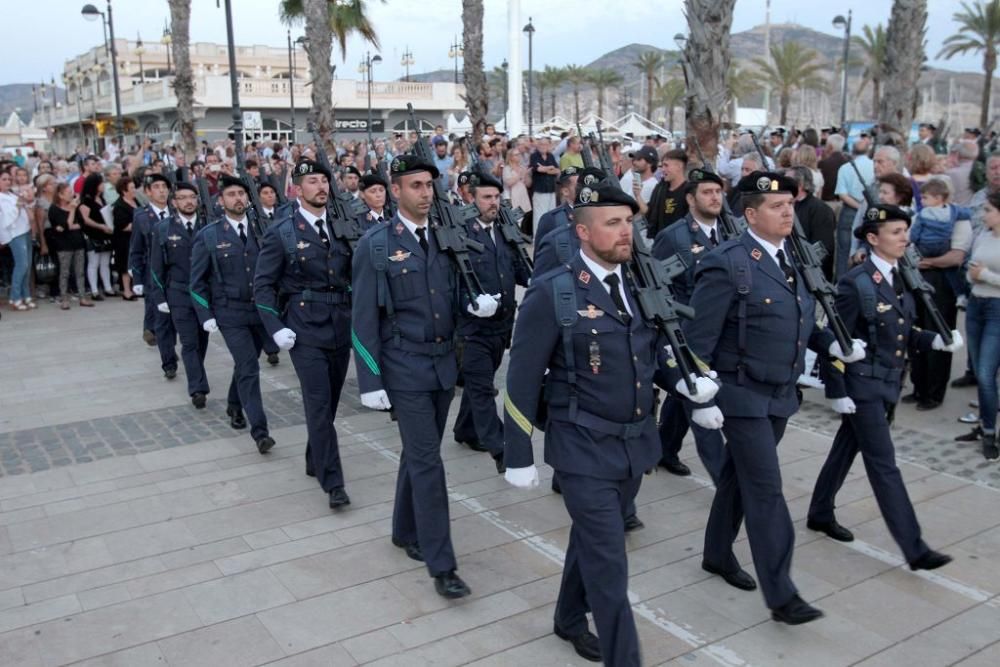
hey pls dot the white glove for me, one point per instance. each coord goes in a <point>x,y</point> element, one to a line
<point>705,387</point>
<point>486,305</point>
<point>856,353</point>
<point>843,406</point>
<point>211,326</point>
<point>284,338</point>
<point>137,290</point>
<point>522,478</point>
<point>163,307</point>
<point>956,342</point>
<point>376,400</point>
<point>710,418</point>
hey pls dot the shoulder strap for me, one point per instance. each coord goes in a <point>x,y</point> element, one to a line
<point>564,249</point>
<point>564,300</point>
<point>162,229</point>
<point>288,240</point>
<point>380,261</point>
<point>211,240</point>
<point>869,304</point>
<point>744,283</point>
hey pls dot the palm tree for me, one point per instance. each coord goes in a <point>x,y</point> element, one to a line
<point>670,95</point>
<point>477,94</point>
<point>904,56</point>
<point>183,83</point>
<point>601,80</point>
<point>558,77</point>
<point>979,30</point>
<point>792,67</point>
<point>706,67</point>
<point>649,63</point>
<point>324,21</point>
<point>873,46</point>
<point>577,76</point>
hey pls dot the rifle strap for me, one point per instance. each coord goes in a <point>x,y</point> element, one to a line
<point>564,300</point>
<point>211,240</point>
<point>869,308</point>
<point>287,234</point>
<point>744,283</point>
<point>380,261</point>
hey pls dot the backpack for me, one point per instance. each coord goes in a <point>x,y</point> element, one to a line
<point>564,302</point>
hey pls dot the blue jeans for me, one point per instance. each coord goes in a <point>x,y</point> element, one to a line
<point>982,324</point>
<point>20,247</point>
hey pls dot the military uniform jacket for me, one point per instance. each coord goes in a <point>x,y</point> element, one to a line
<point>500,272</point>
<point>404,340</point>
<point>302,285</point>
<point>614,365</point>
<point>222,275</point>
<point>170,262</point>
<point>560,242</point>
<point>560,215</point>
<point>685,238</point>
<point>143,221</point>
<point>890,336</point>
<point>759,355</point>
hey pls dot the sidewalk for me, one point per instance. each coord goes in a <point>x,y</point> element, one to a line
<point>136,530</point>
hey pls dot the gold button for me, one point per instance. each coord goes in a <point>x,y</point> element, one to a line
<point>899,337</point>
<point>404,270</point>
<point>302,304</point>
<point>899,353</point>
<point>638,385</point>
<point>767,301</point>
<point>432,290</point>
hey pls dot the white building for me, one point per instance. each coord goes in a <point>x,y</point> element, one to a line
<point>87,114</point>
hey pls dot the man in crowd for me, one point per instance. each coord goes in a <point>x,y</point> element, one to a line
<point>833,159</point>
<point>442,160</point>
<point>351,178</point>
<point>961,173</point>
<point>819,224</point>
<point>668,201</point>
<point>544,171</point>
<point>640,180</point>
<point>850,190</point>
<point>560,215</point>
<point>573,156</point>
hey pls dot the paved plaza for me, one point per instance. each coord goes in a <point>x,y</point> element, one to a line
<point>135,530</point>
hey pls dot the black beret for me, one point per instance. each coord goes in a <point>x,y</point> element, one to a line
<point>766,182</point>
<point>149,179</point>
<point>603,193</point>
<point>305,166</point>
<point>409,163</point>
<point>371,179</point>
<point>464,178</point>
<point>590,176</point>
<point>267,184</point>
<point>566,174</point>
<point>877,215</point>
<point>184,185</point>
<point>227,181</point>
<point>480,179</point>
<point>351,169</point>
<point>696,176</point>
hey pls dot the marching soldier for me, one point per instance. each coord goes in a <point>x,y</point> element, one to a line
<point>222,265</point>
<point>303,292</point>
<point>581,322</point>
<point>373,194</point>
<point>484,340</point>
<point>272,210</point>
<point>560,244</point>
<point>561,215</point>
<point>876,306</point>
<point>157,327</point>
<point>405,298</point>
<point>170,270</point>
<point>692,238</point>
<point>754,320</point>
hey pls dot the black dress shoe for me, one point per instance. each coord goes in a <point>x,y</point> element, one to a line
<point>273,359</point>
<point>972,436</point>
<point>675,468</point>
<point>149,337</point>
<point>967,380</point>
<point>909,398</point>
<point>170,373</point>
<point>498,460</point>
<point>796,612</point>
<point>924,406</point>
<point>633,522</point>
<point>412,549</point>
<point>739,579</point>
<point>931,560</point>
<point>451,586</point>
<point>832,529</point>
<point>472,444</point>
<point>265,444</point>
<point>339,498</point>
<point>198,400</point>
<point>585,644</point>
<point>236,418</point>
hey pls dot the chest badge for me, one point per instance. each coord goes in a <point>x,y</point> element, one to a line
<point>302,245</point>
<point>756,254</point>
<point>883,307</point>
<point>399,256</point>
<point>595,357</point>
<point>223,245</point>
<point>584,277</point>
<point>592,312</point>
<point>174,237</point>
<point>877,277</point>
<point>695,249</point>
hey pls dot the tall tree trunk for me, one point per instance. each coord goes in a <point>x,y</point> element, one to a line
<point>600,103</point>
<point>477,94</point>
<point>904,54</point>
<point>785,99</point>
<point>317,14</point>
<point>649,95</point>
<point>707,61</point>
<point>183,84</point>
<point>670,114</point>
<point>553,100</point>
<point>541,103</point>
<point>876,94</point>
<point>576,104</point>
<point>989,64</point>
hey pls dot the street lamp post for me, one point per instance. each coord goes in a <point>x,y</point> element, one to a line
<point>841,22</point>
<point>530,31</point>
<point>166,40</point>
<point>90,12</point>
<point>406,61</point>
<point>139,50</point>
<point>506,102</point>
<point>456,52</point>
<point>366,68</point>
<point>291,83</point>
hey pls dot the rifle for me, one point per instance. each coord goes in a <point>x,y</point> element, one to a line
<point>447,222</point>
<point>204,198</point>
<point>342,209</point>
<point>380,169</point>
<point>812,273</point>
<point>910,274</point>
<point>254,212</point>
<point>508,220</point>
<point>731,227</point>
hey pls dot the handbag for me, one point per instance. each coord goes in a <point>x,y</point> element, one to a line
<point>45,269</point>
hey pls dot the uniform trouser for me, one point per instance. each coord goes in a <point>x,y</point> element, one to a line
<point>166,334</point>
<point>321,374</point>
<point>595,573</point>
<point>194,345</point>
<point>244,343</point>
<point>270,347</point>
<point>477,413</point>
<point>675,417</point>
<point>842,252</point>
<point>751,482</point>
<point>930,371</point>
<point>867,431</point>
<point>420,515</point>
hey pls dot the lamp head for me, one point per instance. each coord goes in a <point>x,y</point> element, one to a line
<point>90,12</point>
<point>680,40</point>
<point>529,28</point>
<point>839,21</point>
<point>376,59</point>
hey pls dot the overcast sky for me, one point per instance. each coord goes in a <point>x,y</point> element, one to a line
<point>47,32</point>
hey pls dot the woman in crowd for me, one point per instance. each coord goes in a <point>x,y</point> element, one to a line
<point>922,164</point>
<point>45,192</point>
<point>460,164</point>
<point>983,320</point>
<point>69,243</point>
<point>99,236</point>
<point>122,212</point>
<point>515,182</point>
<point>15,231</point>
<point>805,156</point>
<point>897,190</point>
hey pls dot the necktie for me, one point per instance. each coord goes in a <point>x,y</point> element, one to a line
<point>189,226</point>
<point>243,234</point>
<point>270,215</point>
<point>789,272</point>
<point>897,283</point>
<point>163,214</point>
<point>489,237</point>
<point>713,239</point>
<point>613,282</point>
<point>322,233</point>
<point>422,237</point>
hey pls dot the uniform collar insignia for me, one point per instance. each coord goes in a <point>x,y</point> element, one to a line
<point>584,277</point>
<point>756,254</point>
<point>302,227</point>
<point>399,228</point>
<point>302,245</point>
<point>883,307</point>
<point>399,256</point>
<point>877,277</point>
<point>695,249</point>
<point>591,312</point>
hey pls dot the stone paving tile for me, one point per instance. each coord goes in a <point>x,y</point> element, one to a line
<point>241,642</point>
